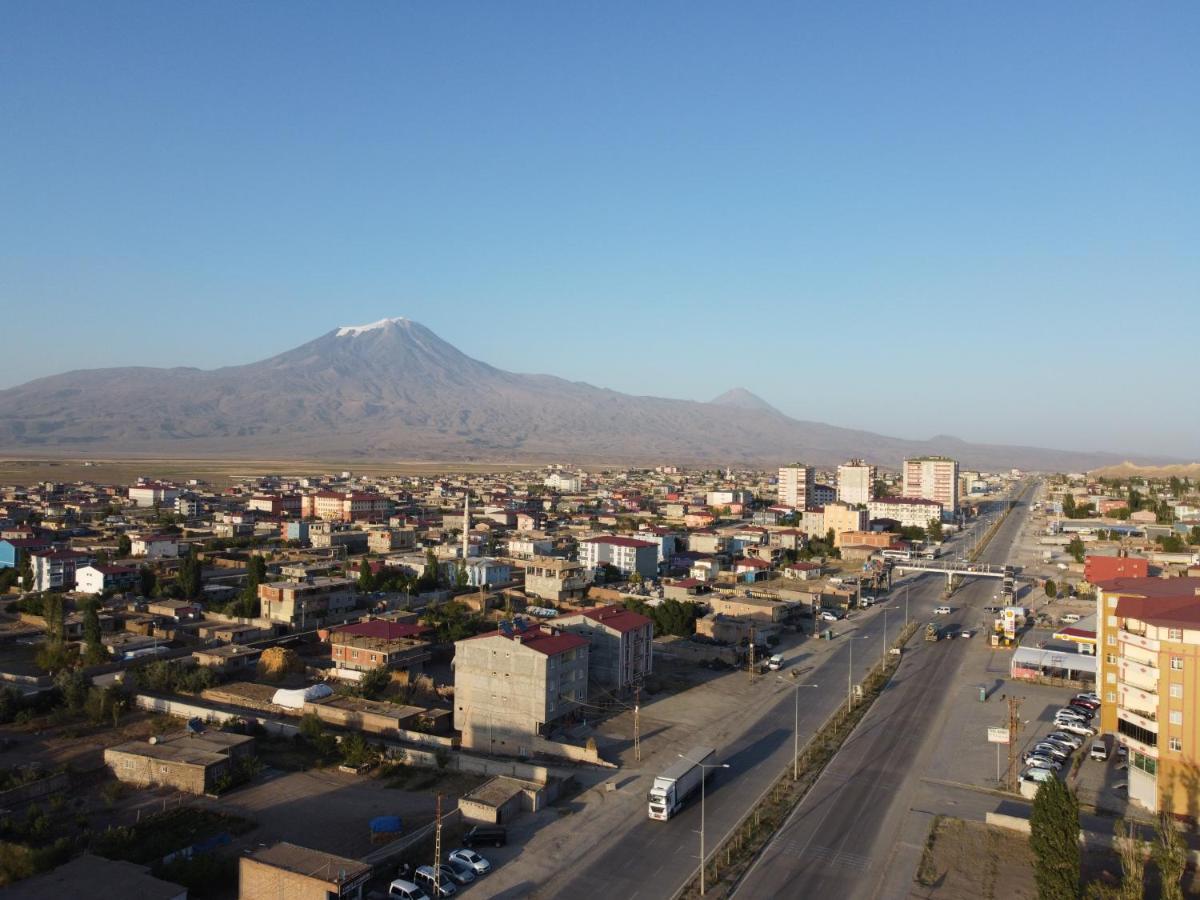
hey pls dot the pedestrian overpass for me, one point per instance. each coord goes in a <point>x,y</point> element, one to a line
<point>952,569</point>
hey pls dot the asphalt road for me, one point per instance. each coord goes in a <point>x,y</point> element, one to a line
<point>841,840</point>
<point>651,859</point>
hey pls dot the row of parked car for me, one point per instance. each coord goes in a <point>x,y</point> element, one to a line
<point>462,867</point>
<point>1072,727</point>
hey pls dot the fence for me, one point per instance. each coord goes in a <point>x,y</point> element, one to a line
<point>734,851</point>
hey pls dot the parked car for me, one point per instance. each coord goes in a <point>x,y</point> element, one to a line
<point>967,632</point>
<point>405,890</point>
<point>459,874</point>
<point>1087,711</point>
<point>496,835</point>
<point>1070,715</point>
<point>1035,761</point>
<point>478,864</point>
<point>1077,728</point>
<point>1058,752</point>
<point>1069,747</point>
<point>775,663</point>
<point>424,876</point>
<point>1089,695</point>
<point>1037,775</point>
<point>942,611</point>
<point>1073,740</point>
<point>1099,750</point>
<point>1086,701</point>
<point>829,616</point>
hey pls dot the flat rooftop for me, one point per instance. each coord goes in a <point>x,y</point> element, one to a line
<point>310,863</point>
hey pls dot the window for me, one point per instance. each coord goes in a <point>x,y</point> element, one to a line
<point>1174,634</point>
<point>1112,678</point>
<point>1177,691</point>
<point>1176,744</point>
<point>1177,663</point>
<point>1112,640</point>
<point>1176,717</point>
<point>1111,659</point>
<point>1111,697</point>
<point>1112,621</point>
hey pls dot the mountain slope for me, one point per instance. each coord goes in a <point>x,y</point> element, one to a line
<point>394,389</point>
<point>744,399</point>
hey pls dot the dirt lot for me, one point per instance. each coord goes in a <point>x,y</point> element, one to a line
<point>217,471</point>
<point>971,860</point>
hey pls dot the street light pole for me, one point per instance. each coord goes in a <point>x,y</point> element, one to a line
<point>796,732</point>
<point>703,777</point>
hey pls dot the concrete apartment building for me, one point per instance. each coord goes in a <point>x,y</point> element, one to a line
<point>553,579</point>
<point>185,761</point>
<point>150,494</point>
<point>933,478</point>
<point>842,517</point>
<point>1148,632</point>
<point>154,546</point>
<point>515,684</point>
<point>795,485</point>
<point>54,570</point>
<point>620,643</point>
<point>345,506</point>
<point>307,603</point>
<point>288,871</point>
<point>626,555</point>
<point>855,482</point>
<point>909,512</point>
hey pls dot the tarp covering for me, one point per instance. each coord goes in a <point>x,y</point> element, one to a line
<point>386,825</point>
<point>295,699</point>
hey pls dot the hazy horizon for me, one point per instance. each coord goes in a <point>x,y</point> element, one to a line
<point>914,221</point>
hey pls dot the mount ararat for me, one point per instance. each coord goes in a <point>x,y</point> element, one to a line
<point>393,389</point>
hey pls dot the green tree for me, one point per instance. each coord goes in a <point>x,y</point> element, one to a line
<point>8,579</point>
<point>1194,535</point>
<point>93,647</point>
<point>431,575</point>
<point>1051,589</point>
<point>73,686</point>
<point>188,577</point>
<point>375,683</point>
<point>1068,505</point>
<point>1133,860</point>
<point>1054,840</point>
<point>124,546</point>
<point>1076,549</point>
<point>147,581</point>
<point>460,576</point>
<point>934,530</point>
<point>1170,855</point>
<point>366,578</point>
<point>1171,543</point>
<point>26,567</point>
<point>55,616</point>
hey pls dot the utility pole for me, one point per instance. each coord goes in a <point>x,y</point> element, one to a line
<point>1014,726</point>
<point>751,666</point>
<point>437,850</point>
<point>637,729</point>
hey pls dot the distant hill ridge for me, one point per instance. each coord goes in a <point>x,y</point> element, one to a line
<point>395,390</point>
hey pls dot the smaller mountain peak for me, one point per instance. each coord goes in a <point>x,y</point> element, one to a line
<point>356,330</point>
<point>743,399</point>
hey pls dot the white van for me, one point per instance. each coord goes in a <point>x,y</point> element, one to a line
<point>1099,750</point>
<point>775,663</point>
<point>1071,618</point>
<point>942,611</point>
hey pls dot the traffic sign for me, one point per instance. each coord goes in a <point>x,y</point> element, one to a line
<point>997,735</point>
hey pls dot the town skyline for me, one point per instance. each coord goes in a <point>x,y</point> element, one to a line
<point>965,206</point>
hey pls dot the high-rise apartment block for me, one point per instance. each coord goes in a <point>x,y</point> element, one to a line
<point>1148,635</point>
<point>796,485</point>
<point>933,478</point>
<point>855,482</point>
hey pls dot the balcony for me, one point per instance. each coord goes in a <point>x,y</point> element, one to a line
<point>1136,738</point>
<point>1138,639</point>
<point>1140,718</point>
<point>1142,677</point>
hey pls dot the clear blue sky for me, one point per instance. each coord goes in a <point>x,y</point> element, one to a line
<point>990,208</point>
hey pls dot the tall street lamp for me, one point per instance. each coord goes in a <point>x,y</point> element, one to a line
<point>703,778</point>
<point>796,729</point>
<point>850,672</point>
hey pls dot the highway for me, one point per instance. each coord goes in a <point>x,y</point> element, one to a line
<point>648,859</point>
<point>841,841</point>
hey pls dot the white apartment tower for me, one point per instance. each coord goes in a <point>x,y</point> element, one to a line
<point>796,486</point>
<point>933,478</point>
<point>855,482</point>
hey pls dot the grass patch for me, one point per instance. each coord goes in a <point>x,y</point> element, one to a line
<point>926,870</point>
<point>156,836</point>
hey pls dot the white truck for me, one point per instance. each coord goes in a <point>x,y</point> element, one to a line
<point>673,787</point>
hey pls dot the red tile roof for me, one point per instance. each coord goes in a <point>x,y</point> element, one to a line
<point>1182,611</point>
<point>751,562</point>
<point>385,629</point>
<point>614,541</point>
<point>1138,586</point>
<point>544,642</point>
<point>617,618</point>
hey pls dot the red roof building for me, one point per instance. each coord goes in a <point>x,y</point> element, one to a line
<point>1105,568</point>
